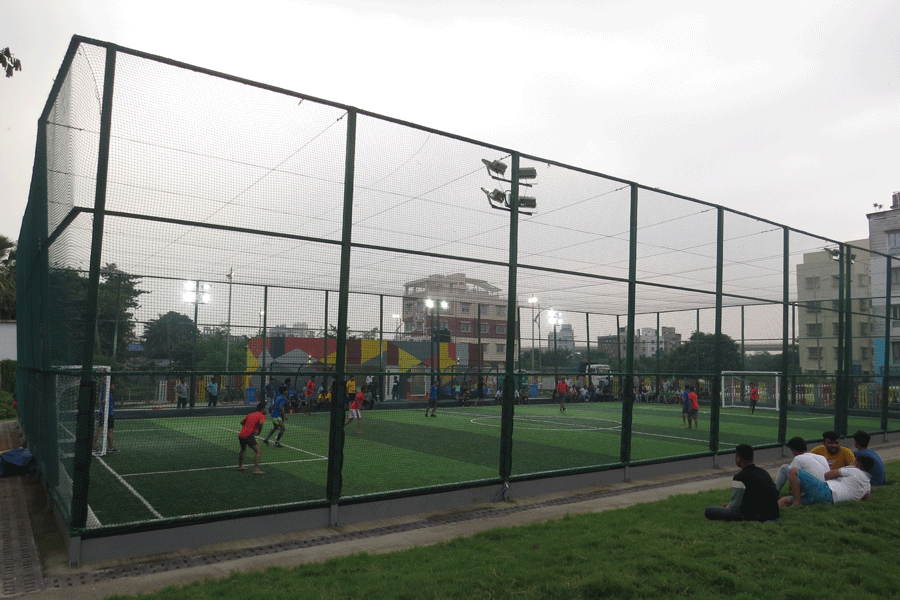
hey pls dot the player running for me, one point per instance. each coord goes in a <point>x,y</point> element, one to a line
<point>279,410</point>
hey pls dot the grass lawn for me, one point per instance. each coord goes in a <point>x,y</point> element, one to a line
<point>663,549</point>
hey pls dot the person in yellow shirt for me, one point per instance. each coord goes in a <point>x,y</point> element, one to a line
<point>837,456</point>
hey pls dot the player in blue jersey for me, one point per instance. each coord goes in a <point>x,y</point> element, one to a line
<point>278,414</point>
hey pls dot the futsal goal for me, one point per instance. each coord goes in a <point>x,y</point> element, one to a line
<point>738,389</point>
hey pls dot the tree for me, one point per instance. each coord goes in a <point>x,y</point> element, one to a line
<point>211,352</point>
<point>117,298</point>
<point>7,279</point>
<point>697,355</point>
<point>774,362</point>
<point>171,337</point>
<point>67,306</point>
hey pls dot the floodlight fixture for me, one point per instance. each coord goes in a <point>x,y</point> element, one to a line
<point>835,254</point>
<point>494,167</point>
<point>196,293</point>
<point>496,195</point>
<point>527,173</point>
<point>527,202</point>
<point>533,299</point>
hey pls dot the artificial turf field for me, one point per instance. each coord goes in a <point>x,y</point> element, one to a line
<point>172,467</point>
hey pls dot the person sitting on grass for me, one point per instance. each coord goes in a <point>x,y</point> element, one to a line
<point>837,456</point>
<point>814,464</point>
<point>252,425</point>
<point>878,475</point>
<point>840,485</point>
<point>753,493</point>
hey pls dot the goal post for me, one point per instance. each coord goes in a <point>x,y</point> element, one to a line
<point>738,386</point>
<point>67,388</point>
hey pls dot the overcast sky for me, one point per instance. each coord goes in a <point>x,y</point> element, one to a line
<point>785,110</point>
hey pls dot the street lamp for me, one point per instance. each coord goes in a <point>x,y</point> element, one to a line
<point>230,277</point>
<point>533,302</point>
<point>398,318</point>
<point>196,293</point>
<point>554,318</point>
<point>435,306</point>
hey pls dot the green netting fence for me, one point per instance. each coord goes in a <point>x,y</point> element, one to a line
<point>194,241</point>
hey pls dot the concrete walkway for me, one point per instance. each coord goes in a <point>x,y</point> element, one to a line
<point>54,579</point>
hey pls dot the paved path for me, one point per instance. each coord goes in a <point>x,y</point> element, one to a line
<point>56,580</point>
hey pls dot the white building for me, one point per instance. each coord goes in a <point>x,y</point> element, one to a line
<point>884,237</point>
<point>565,338</point>
<point>818,288</point>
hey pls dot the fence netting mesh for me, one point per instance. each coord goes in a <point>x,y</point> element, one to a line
<point>196,244</point>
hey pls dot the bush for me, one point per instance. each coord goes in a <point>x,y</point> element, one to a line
<point>8,375</point>
<point>6,406</point>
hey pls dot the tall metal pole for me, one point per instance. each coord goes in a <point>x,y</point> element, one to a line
<point>230,277</point>
<point>193,393</point>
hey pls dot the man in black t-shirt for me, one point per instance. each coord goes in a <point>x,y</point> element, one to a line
<point>753,493</point>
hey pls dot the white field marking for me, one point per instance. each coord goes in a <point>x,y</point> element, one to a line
<point>565,426</point>
<point>673,437</point>
<point>273,464</point>
<point>130,489</point>
<point>318,456</point>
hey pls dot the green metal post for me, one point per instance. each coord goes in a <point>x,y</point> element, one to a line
<point>85,419</point>
<point>716,391</point>
<point>840,399</point>
<point>848,335</point>
<point>628,388</point>
<point>509,386</point>
<point>785,341</point>
<point>886,370</point>
<point>334,485</point>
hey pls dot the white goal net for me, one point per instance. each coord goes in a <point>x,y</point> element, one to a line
<point>739,388</point>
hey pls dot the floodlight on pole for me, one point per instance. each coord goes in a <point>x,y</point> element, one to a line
<point>527,173</point>
<point>500,199</point>
<point>196,292</point>
<point>533,300</point>
<point>494,166</point>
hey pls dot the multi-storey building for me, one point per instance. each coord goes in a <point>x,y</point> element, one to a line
<point>565,338</point>
<point>475,313</point>
<point>884,237</point>
<point>646,341</point>
<point>818,326</point>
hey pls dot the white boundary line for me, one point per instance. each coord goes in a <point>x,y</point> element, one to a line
<point>130,489</point>
<point>318,456</point>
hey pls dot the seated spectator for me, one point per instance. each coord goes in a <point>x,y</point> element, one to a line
<point>753,494</point>
<point>837,456</point>
<point>878,476</point>
<point>814,464</point>
<point>840,485</point>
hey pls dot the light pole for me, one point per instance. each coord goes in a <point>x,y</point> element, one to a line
<point>196,293</point>
<point>435,306</point>
<point>533,302</point>
<point>397,318</point>
<point>230,277</point>
<point>554,318</point>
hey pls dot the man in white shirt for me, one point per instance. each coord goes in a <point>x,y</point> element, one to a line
<point>841,485</point>
<point>813,464</point>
